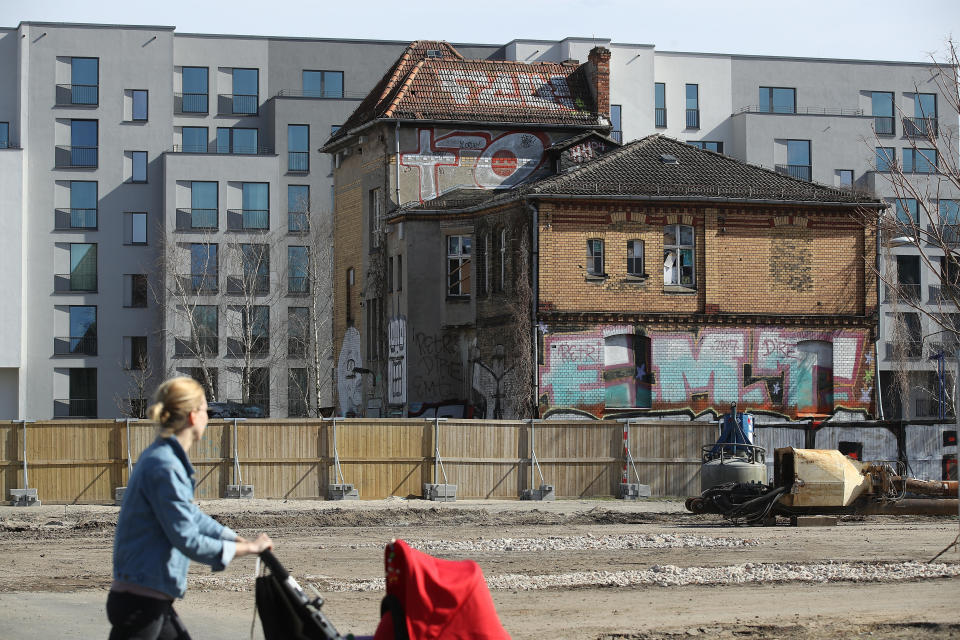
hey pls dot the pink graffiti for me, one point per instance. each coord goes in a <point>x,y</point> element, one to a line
<point>518,89</point>
<point>587,150</point>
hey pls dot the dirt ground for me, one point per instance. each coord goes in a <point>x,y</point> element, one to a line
<point>56,569</point>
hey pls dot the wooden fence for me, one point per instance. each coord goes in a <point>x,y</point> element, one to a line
<point>83,461</point>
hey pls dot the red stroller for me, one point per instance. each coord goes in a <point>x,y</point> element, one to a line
<point>427,599</point>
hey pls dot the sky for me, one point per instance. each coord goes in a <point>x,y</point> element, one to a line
<point>856,29</point>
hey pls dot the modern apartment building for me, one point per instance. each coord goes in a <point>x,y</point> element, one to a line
<point>163,197</point>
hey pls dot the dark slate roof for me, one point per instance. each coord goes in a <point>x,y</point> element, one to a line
<point>452,88</point>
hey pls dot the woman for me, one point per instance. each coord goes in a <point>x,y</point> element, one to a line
<point>160,529</point>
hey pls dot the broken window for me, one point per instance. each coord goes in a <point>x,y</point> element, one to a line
<point>626,371</point>
<point>678,256</point>
<point>458,265</point>
<point>595,257</point>
<point>635,258</point>
<point>851,449</point>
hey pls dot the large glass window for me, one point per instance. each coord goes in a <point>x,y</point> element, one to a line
<point>83,393</point>
<point>4,135</point>
<point>195,91</point>
<point>138,228</point>
<point>255,323</point>
<point>298,208</point>
<point>798,159</point>
<point>635,258</point>
<point>83,266</point>
<point>615,121</point>
<point>255,260</point>
<point>297,393</point>
<point>660,104</point>
<point>140,105</point>
<point>458,265</point>
<point>323,84</point>
<point>925,105</point>
<point>203,205</point>
<point>882,111</point>
<point>908,276</point>
<point>83,204</point>
<point>919,160</point>
<point>139,290</point>
<point>84,80</point>
<point>237,140</point>
<point>139,163</point>
<point>678,255</point>
<point>693,106</point>
<point>298,330</point>
<point>256,205</point>
<point>778,100</point>
<point>595,257</point>
<point>203,267</point>
<point>246,86</point>
<point>83,143</point>
<point>194,139</point>
<point>908,213</point>
<point>949,212</point>
<point>83,330</point>
<point>298,147</point>
<point>886,158</point>
<point>298,273</point>
<point>204,329</point>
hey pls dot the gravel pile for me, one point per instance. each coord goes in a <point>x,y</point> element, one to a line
<point>580,543</point>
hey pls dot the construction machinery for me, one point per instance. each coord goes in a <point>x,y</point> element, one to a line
<point>733,457</point>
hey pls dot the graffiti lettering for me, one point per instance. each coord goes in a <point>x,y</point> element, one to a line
<point>530,90</point>
<point>587,150</point>
<point>785,349</point>
<point>575,352</point>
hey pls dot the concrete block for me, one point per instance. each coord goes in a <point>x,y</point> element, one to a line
<point>440,492</point>
<point>545,493</point>
<point>239,491</point>
<point>342,492</point>
<point>813,521</point>
<point>118,495</point>
<point>634,491</point>
<point>24,498</point>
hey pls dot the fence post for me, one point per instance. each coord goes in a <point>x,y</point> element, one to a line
<point>439,491</point>
<point>119,491</point>
<point>339,490</point>
<point>25,497</point>
<point>545,491</point>
<point>630,490</point>
<point>238,489</point>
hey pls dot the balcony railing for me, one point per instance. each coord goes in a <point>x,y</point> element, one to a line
<point>693,118</point>
<point>75,283</point>
<point>197,219</point>
<point>298,222</point>
<point>75,346</point>
<point>236,150</point>
<point>243,285</point>
<point>906,349</point>
<point>85,95</point>
<point>195,347</point>
<point>326,94</point>
<point>933,408</point>
<point>75,219</point>
<point>75,408</point>
<point>200,283</point>
<point>798,171</point>
<point>883,125</point>
<point>920,127</point>
<point>238,104</point>
<point>904,291</point>
<point>298,285</point>
<point>190,103</point>
<point>71,157</point>
<point>258,347</point>
<point>248,219</point>
<point>807,111</point>
<point>298,161</point>
<point>947,294</point>
<point>660,117</point>
<point>617,135</point>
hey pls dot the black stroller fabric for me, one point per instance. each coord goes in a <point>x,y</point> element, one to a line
<point>282,617</point>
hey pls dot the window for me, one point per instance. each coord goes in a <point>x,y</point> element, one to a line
<point>138,353</point>
<point>83,267</point>
<point>678,256</point>
<point>138,171</point>
<point>298,147</point>
<point>374,217</point>
<point>390,274</point>
<point>908,276</point>
<point>83,143</point>
<point>246,88</point>
<point>595,257</point>
<point>949,279</point>
<point>297,393</point>
<point>298,270</point>
<point>255,263</point>
<point>137,232</point>
<point>483,252</point>
<point>83,332</point>
<point>907,333</point>
<point>194,98</point>
<point>635,258</point>
<point>924,122</point>
<point>458,266</point>
<point>194,139</point>
<point>798,160</point>
<point>778,100</point>
<point>399,273</point>
<point>256,205</point>
<point>616,126</point>
<point>4,135</point>
<point>908,213</point>
<point>298,330</point>
<point>949,214</point>
<point>84,81</point>
<point>83,394</point>
<point>693,106</point>
<point>206,376</point>
<point>886,158</point>
<point>137,290</point>
<point>83,204</point>
<point>919,160</point>
<point>710,145</point>
<point>298,208</point>
<point>844,178</point>
<point>660,104</point>
<point>882,111</point>
<point>204,268</point>
<point>238,140</point>
<point>203,205</point>
<point>323,84</point>
<point>255,328</point>
<point>139,106</point>
<point>205,329</point>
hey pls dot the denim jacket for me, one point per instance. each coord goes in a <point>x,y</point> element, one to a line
<point>160,529</point>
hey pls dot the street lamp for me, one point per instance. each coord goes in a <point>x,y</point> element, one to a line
<point>497,372</point>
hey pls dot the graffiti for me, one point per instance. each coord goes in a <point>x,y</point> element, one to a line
<point>587,150</point>
<point>397,354</point>
<point>781,372</point>
<point>490,161</point>
<point>349,382</point>
<point>439,367</point>
<point>503,89</point>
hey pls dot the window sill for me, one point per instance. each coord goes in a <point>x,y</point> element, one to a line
<point>596,278</point>
<point>458,299</point>
<point>637,279</point>
<point>681,289</point>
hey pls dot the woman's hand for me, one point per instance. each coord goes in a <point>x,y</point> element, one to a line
<point>246,547</point>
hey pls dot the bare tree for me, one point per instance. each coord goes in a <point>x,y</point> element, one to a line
<point>140,380</point>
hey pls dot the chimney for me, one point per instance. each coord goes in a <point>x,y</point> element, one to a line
<point>598,71</point>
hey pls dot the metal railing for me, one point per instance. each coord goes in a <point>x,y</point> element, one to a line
<point>298,222</point>
<point>194,347</point>
<point>75,283</point>
<point>903,291</point>
<point>238,104</point>
<point>298,161</point>
<point>328,95</point>
<point>244,284</point>
<point>87,95</point>
<point>617,135</point>
<point>258,347</point>
<point>808,111</point>
<point>693,118</point>
<point>68,156</point>
<point>248,219</point>
<point>201,283</point>
<point>298,284</point>
<point>75,219</point>
<point>197,219</point>
<point>75,346</point>
<point>798,171</point>
<point>920,127</point>
<point>191,103</point>
<point>75,408</point>
<point>235,150</point>
<point>883,125</point>
<point>907,349</point>
<point>660,117</point>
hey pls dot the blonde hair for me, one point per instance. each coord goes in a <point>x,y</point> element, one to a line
<point>173,401</point>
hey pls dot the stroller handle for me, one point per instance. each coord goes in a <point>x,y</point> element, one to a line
<point>275,567</point>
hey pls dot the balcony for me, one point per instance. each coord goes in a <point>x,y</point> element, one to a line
<point>920,127</point>
<point>906,349</point>
<point>883,125</point>
<point>197,219</point>
<point>248,219</point>
<point>903,291</point>
<point>693,118</point>
<point>236,150</point>
<point>944,295</point>
<point>82,95</point>
<point>76,219</point>
<point>617,135</point>
<point>237,104</point>
<point>75,408</point>
<point>67,157</point>
<point>298,285</point>
<point>75,346</point>
<point>75,283</point>
<point>298,222</point>
<point>200,284</point>
<point>237,348</point>
<point>245,284</point>
<point>196,347</point>
<point>186,103</point>
<point>660,117</point>
<point>798,171</point>
<point>298,161</point>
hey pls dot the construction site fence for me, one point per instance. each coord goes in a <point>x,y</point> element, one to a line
<point>84,461</point>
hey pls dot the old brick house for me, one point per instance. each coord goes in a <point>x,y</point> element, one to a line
<point>436,124</point>
<point>669,280</point>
